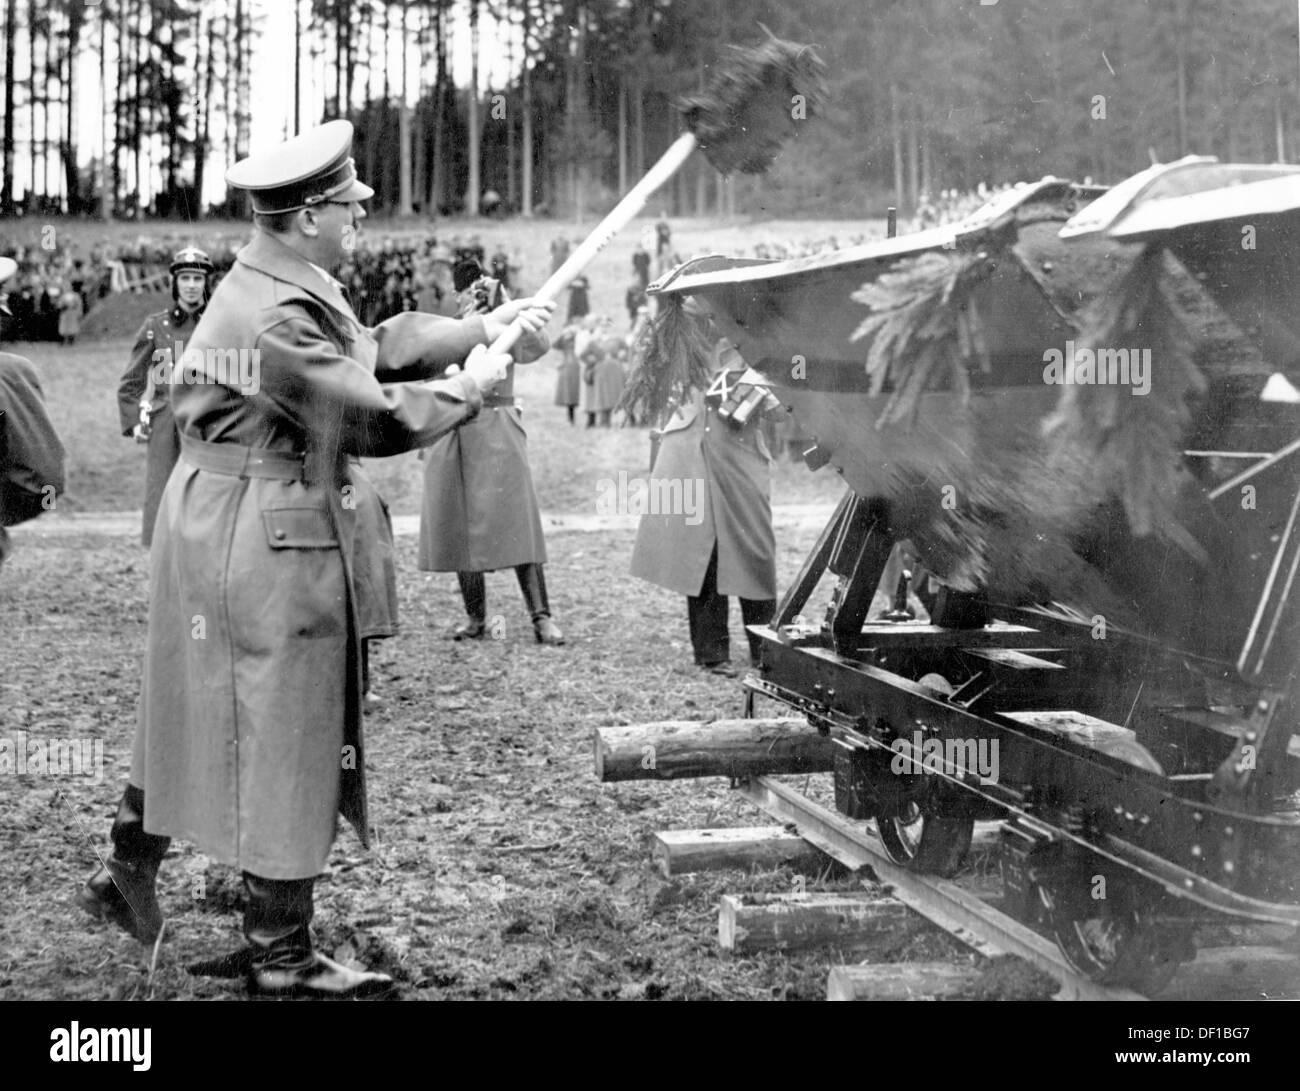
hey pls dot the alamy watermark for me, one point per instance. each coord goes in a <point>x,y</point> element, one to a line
<point>956,757</point>
<point>78,757</point>
<point>239,369</point>
<point>1098,367</point>
<point>657,496</point>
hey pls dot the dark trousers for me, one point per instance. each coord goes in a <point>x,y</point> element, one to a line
<point>708,618</point>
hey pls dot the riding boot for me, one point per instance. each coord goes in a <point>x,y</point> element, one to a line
<point>123,890</point>
<point>283,962</point>
<point>533,584</point>
<point>473,589</point>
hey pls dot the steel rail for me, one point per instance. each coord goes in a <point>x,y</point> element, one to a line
<point>974,922</point>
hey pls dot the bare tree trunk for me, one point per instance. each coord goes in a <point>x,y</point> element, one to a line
<point>438,172</point>
<point>1181,50</point>
<point>526,202</point>
<point>229,64</point>
<point>1279,128</point>
<point>137,86</point>
<point>107,196</point>
<point>76,21</point>
<point>701,170</point>
<point>297,67</point>
<point>622,132</point>
<point>571,119</point>
<point>204,122</point>
<point>472,186</point>
<point>404,203</point>
<point>31,101</point>
<point>638,128</point>
<point>7,181</point>
<point>913,157</point>
<point>420,122</point>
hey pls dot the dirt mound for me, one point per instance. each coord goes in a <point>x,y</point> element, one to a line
<point>121,315</point>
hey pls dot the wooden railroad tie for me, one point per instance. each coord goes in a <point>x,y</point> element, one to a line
<point>678,852</point>
<point>900,981</point>
<point>791,922</point>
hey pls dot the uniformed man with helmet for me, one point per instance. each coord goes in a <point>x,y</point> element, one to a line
<point>142,394</point>
<point>249,735</point>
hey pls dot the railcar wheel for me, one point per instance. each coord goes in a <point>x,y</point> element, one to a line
<point>1113,941</point>
<point>921,841</point>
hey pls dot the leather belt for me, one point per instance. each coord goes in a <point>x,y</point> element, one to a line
<point>239,461</point>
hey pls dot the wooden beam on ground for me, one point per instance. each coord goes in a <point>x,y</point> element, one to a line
<point>900,981</point>
<point>789,922</point>
<point>676,749</point>
<point>677,852</point>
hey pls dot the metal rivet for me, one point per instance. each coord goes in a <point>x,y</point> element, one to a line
<point>1196,851</point>
<point>280,536</point>
<point>1189,884</point>
<point>1229,866</point>
<point>1197,816</point>
<point>1227,831</point>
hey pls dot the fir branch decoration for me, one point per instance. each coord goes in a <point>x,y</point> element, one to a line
<point>671,357</point>
<point>746,116</point>
<point>1133,443</point>
<point>924,329</point>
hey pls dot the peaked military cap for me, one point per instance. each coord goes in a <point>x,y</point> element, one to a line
<point>311,168</point>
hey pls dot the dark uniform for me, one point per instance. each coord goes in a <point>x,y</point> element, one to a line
<point>151,359</point>
<point>480,511</point>
<point>724,545</point>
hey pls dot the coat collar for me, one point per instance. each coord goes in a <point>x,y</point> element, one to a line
<point>269,255</point>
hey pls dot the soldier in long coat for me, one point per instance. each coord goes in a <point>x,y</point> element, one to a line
<point>480,511</point>
<point>719,542</point>
<point>568,377</point>
<point>143,403</point>
<point>249,737</point>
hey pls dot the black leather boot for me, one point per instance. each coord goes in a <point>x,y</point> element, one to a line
<point>123,890</point>
<point>473,589</point>
<point>283,962</point>
<point>533,584</point>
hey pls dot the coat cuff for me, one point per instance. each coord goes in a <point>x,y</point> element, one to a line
<point>472,395</point>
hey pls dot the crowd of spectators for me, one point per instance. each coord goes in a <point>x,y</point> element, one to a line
<point>54,287</point>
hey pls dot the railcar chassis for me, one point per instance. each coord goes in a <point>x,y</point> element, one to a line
<point>1121,832</point>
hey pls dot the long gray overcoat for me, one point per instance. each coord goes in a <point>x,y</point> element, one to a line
<point>479,510</point>
<point>249,736</point>
<point>719,480</point>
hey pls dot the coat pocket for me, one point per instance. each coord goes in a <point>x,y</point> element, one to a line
<point>299,528</point>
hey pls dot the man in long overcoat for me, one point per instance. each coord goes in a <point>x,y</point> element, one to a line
<point>249,736</point>
<point>480,511</point>
<point>716,539</point>
<point>152,355</point>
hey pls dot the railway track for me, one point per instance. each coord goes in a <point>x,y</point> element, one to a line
<point>958,911</point>
<point>973,920</point>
